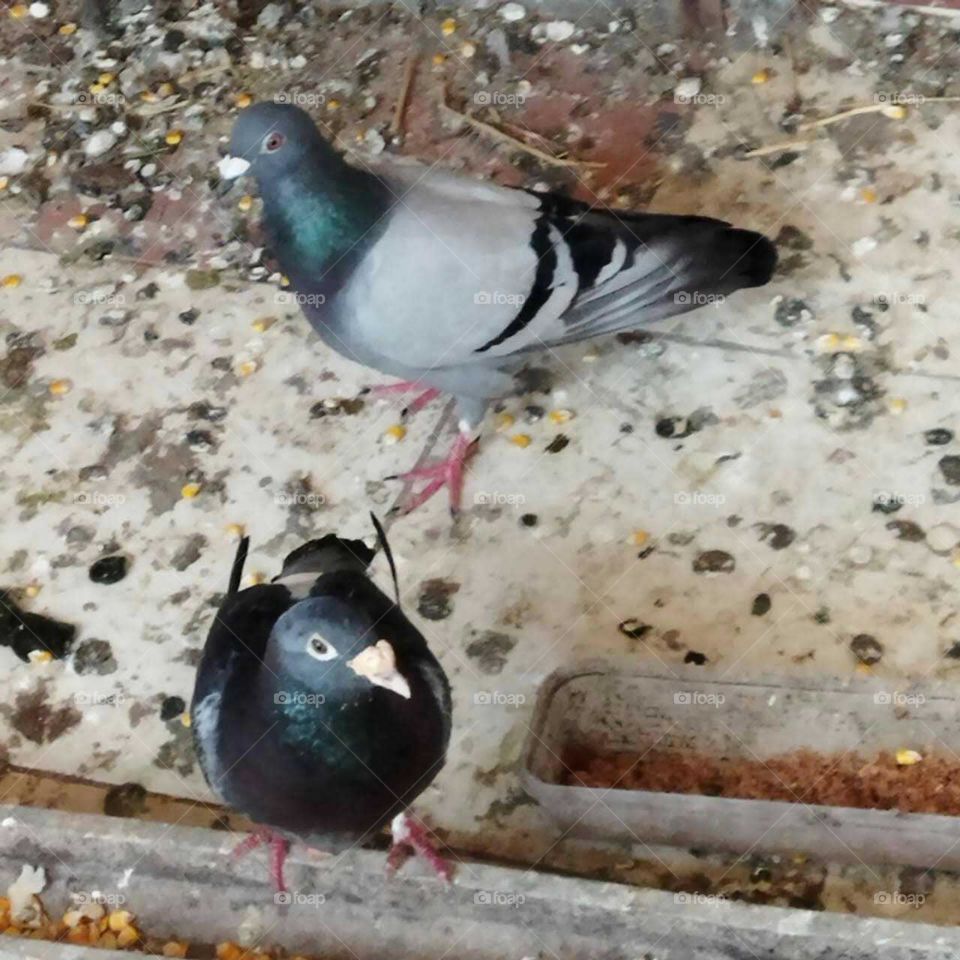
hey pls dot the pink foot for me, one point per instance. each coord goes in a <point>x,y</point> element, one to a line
<point>411,836</point>
<point>408,386</point>
<point>279,846</point>
<point>447,473</point>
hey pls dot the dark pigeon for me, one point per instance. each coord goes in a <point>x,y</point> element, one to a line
<point>319,711</point>
<point>450,283</point>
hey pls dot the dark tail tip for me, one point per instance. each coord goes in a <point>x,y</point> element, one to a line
<point>326,554</point>
<point>753,256</point>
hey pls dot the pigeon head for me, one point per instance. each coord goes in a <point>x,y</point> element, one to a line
<point>330,645</point>
<point>271,140</point>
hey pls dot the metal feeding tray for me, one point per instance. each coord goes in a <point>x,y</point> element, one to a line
<point>602,708</point>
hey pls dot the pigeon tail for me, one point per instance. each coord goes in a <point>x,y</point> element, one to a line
<point>329,554</point>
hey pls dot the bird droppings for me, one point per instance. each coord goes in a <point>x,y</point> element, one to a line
<point>189,552</point>
<point>559,442</point>
<point>714,561</point>
<point>633,628</point>
<point>172,708</point>
<point>761,605</point>
<point>490,651</point>
<point>125,800</point>
<point>866,648</point>
<point>435,599</point>
<point>94,657</point>
<point>109,570</point>
<point>950,469</point>
<point>695,657</point>
<point>938,437</point>
<point>778,536</point>
<point>38,720</point>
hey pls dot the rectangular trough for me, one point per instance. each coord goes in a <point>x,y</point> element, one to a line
<point>602,709</point>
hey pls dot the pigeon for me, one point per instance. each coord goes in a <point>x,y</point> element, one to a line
<point>451,283</point>
<point>319,710</point>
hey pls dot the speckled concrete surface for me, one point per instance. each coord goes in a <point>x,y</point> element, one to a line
<point>769,485</point>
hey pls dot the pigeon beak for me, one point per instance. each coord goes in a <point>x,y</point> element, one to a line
<point>378,664</point>
<point>230,168</point>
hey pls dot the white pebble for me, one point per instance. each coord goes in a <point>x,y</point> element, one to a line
<point>560,30</point>
<point>687,88</point>
<point>512,12</point>
<point>99,143</point>
<point>13,162</point>
<point>943,538</point>
<point>863,246</point>
<point>149,169</point>
<point>39,10</point>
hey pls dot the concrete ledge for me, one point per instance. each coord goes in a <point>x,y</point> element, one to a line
<point>181,883</point>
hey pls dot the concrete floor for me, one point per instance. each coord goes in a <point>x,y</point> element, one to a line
<point>803,404</point>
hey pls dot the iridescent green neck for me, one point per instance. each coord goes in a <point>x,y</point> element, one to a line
<point>315,218</point>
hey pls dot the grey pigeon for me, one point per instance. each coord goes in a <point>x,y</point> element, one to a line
<point>451,283</point>
<point>319,711</point>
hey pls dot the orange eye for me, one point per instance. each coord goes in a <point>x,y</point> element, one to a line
<point>274,142</point>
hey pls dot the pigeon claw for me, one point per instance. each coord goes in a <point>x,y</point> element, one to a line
<point>279,847</point>
<point>410,836</point>
<point>423,398</point>
<point>448,473</point>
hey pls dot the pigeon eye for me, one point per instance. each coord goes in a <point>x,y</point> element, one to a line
<point>274,142</point>
<point>321,649</point>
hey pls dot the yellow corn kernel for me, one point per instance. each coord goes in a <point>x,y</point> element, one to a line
<point>907,758</point>
<point>255,577</point>
<point>119,919</point>
<point>248,367</point>
<point>868,195</point>
<point>165,89</point>
<point>439,59</point>
<point>521,440</point>
<point>262,324</point>
<point>175,948</point>
<point>60,387</point>
<point>639,537</point>
<point>65,29</point>
<point>561,416</point>
<point>895,112</point>
<point>235,530</point>
<point>32,590</point>
<point>11,280</point>
<point>106,79</point>
<point>18,11</point>
<point>333,104</point>
<point>896,405</point>
<point>395,433</point>
<point>761,76</point>
<point>173,138</point>
<point>505,421</point>
<point>448,27</point>
<point>128,936</point>
<point>4,183</point>
<point>79,221</point>
<point>96,88</point>
<point>284,280</point>
<point>186,720</point>
<point>40,656</point>
<point>245,203</point>
<point>148,96</point>
<point>189,490</point>
<point>851,343</point>
<point>243,100</point>
<point>229,951</point>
